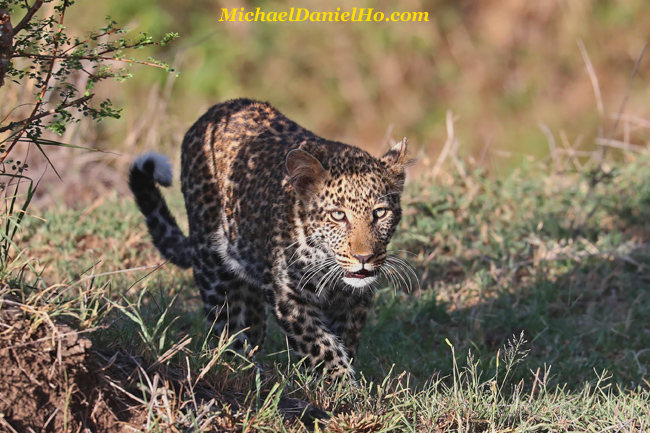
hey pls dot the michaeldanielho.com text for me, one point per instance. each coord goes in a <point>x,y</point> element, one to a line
<point>302,14</point>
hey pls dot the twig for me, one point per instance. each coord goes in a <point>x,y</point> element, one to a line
<point>44,114</point>
<point>27,18</point>
<point>96,36</point>
<point>97,57</point>
<point>3,120</point>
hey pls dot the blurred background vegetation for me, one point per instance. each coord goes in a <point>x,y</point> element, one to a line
<point>502,68</point>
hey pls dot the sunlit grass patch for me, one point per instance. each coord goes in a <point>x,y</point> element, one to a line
<point>530,314</point>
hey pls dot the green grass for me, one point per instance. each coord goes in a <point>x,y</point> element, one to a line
<point>531,312</point>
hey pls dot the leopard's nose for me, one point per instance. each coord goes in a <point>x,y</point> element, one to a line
<point>363,258</point>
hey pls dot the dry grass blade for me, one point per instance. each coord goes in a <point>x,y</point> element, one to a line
<point>627,147</point>
<point>37,312</point>
<point>356,423</point>
<point>125,392</point>
<point>177,347</point>
<point>450,144</point>
<point>6,425</point>
<point>120,271</point>
<point>550,139</point>
<point>628,90</point>
<point>594,82</point>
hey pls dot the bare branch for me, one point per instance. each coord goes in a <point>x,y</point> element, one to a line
<point>61,57</point>
<point>96,36</point>
<point>30,119</point>
<point>27,18</point>
<point>47,113</point>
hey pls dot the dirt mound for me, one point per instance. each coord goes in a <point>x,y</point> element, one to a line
<point>46,384</point>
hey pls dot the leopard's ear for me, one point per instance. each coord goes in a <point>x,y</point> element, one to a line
<point>396,161</point>
<point>306,172</point>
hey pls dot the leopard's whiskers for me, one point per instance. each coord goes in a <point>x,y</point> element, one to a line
<point>314,270</point>
<point>400,271</point>
<point>323,278</point>
<point>390,277</point>
<point>292,244</point>
<point>390,274</point>
<point>407,269</point>
<point>326,278</point>
<point>375,284</point>
<point>399,277</point>
<point>338,276</point>
<point>406,266</point>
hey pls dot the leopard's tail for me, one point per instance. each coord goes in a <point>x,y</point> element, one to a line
<point>147,172</point>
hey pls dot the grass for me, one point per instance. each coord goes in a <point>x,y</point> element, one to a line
<point>531,313</point>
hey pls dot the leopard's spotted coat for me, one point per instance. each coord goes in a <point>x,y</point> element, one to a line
<point>278,217</point>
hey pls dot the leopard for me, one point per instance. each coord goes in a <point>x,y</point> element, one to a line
<point>279,219</point>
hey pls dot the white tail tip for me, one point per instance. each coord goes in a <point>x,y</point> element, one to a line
<point>162,172</point>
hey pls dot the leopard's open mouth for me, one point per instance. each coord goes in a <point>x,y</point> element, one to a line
<point>363,273</point>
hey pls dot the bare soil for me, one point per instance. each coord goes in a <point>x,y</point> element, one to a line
<point>47,383</point>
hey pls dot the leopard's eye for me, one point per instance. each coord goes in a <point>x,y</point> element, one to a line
<point>338,215</point>
<point>380,213</point>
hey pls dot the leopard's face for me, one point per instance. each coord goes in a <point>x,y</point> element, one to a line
<point>352,210</point>
<point>355,216</point>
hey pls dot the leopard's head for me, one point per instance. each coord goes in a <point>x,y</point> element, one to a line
<point>352,206</point>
